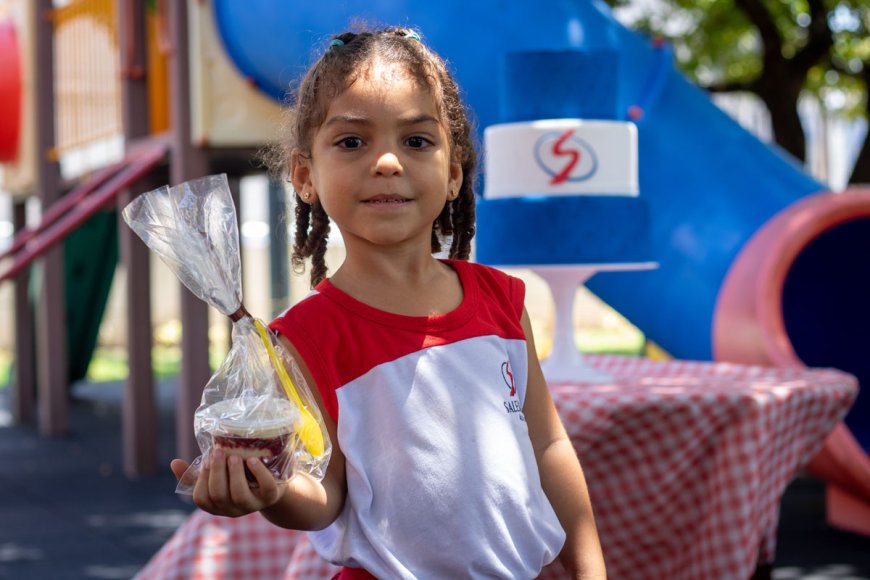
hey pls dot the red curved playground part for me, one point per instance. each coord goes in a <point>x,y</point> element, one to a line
<point>10,91</point>
<point>750,327</point>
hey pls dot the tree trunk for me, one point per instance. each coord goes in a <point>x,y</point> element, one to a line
<point>861,169</point>
<point>787,129</point>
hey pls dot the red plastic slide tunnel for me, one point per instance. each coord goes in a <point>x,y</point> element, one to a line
<point>797,295</point>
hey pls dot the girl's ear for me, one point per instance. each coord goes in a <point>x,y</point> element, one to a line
<point>454,181</point>
<point>300,176</point>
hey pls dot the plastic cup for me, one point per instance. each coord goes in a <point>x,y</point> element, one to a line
<point>265,431</point>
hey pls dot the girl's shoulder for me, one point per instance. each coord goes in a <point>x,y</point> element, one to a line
<point>314,317</point>
<point>306,308</point>
<point>492,282</point>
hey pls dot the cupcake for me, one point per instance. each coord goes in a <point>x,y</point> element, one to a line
<point>261,429</point>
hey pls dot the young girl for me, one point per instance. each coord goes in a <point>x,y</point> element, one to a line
<point>449,459</point>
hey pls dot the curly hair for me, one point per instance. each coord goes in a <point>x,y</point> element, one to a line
<point>338,67</point>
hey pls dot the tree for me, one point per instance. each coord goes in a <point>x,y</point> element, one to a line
<point>775,49</point>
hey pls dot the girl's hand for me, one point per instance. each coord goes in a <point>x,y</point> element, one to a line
<point>302,503</point>
<point>223,490</point>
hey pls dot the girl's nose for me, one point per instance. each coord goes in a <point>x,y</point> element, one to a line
<point>387,163</point>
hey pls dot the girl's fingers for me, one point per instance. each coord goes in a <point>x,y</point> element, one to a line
<point>201,495</point>
<point>223,488</point>
<point>218,489</point>
<point>251,495</point>
<point>240,487</point>
<point>266,488</point>
<point>178,467</point>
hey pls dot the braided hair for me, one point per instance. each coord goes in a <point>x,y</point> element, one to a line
<point>337,68</point>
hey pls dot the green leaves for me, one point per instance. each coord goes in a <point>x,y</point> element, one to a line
<point>776,49</point>
<point>722,44</point>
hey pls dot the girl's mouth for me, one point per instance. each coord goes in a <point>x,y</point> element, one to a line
<point>386,200</point>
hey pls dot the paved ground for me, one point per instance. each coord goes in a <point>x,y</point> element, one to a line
<point>68,512</point>
<point>66,509</point>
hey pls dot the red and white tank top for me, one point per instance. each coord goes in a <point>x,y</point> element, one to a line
<point>442,479</point>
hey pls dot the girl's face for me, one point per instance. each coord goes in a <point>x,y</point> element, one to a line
<point>380,163</point>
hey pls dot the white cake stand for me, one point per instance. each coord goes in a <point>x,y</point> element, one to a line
<point>565,363</point>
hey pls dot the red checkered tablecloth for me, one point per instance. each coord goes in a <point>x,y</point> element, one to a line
<point>686,464</point>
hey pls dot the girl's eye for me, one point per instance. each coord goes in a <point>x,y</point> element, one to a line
<point>418,142</point>
<point>350,143</point>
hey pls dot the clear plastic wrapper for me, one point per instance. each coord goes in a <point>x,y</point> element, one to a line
<point>257,404</point>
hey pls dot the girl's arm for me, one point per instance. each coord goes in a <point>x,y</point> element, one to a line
<point>561,474</point>
<point>302,503</point>
<point>307,503</point>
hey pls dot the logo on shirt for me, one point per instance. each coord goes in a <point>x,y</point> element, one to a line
<point>508,377</point>
<point>565,157</point>
<point>513,405</point>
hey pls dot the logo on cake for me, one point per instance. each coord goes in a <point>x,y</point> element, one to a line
<point>565,157</point>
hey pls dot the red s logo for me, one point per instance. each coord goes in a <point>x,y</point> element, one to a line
<point>558,151</point>
<point>508,377</point>
<point>565,157</point>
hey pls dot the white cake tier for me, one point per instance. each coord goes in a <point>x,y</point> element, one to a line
<point>561,157</point>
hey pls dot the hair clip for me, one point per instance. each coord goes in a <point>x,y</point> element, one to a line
<point>336,42</point>
<point>413,36</point>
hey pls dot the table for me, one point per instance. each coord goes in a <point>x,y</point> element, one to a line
<point>686,464</point>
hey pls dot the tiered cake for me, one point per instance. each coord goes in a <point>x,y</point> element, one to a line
<point>561,174</point>
<point>561,190</point>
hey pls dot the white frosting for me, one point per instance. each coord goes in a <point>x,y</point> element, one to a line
<point>561,157</point>
<point>264,417</point>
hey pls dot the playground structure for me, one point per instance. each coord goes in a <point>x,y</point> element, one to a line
<point>157,60</point>
<point>757,260</point>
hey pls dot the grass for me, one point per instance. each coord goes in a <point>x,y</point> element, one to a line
<point>603,341</point>
<point>110,364</point>
<point>5,368</point>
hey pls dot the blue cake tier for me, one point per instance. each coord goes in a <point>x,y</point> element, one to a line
<point>526,231</point>
<point>546,84</point>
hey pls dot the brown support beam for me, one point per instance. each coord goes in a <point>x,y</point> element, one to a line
<point>24,379</point>
<point>51,351</point>
<point>187,161</point>
<point>139,410</point>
